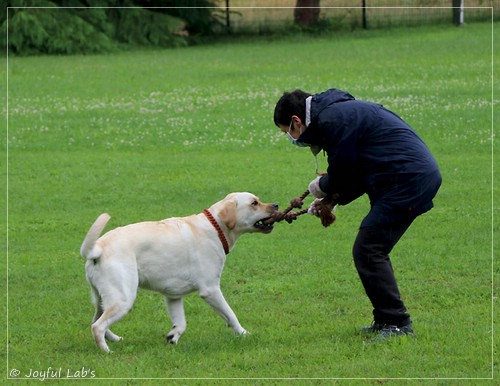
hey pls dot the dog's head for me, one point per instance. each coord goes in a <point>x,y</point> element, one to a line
<point>244,213</point>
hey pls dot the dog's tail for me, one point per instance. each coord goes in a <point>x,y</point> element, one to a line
<point>88,249</point>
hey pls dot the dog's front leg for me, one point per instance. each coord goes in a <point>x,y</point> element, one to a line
<point>175,308</point>
<point>214,297</point>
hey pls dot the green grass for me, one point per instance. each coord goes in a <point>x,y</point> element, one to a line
<point>153,134</point>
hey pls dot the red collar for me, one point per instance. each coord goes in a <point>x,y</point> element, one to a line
<point>220,233</point>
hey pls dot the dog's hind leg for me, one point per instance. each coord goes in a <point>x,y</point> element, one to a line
<point>112,337</point>
<point>110,315</point>
<point>116,304</point>
<point>175,308</point>
<point>97,301</point>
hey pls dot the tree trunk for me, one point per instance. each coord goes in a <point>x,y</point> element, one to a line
<point>306,12</point>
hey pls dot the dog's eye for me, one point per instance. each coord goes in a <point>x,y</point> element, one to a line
<point>255,203</point>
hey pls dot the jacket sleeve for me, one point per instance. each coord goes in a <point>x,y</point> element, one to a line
<point>346,193</point>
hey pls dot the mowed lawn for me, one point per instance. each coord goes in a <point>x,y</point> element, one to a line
<point>147,135</point>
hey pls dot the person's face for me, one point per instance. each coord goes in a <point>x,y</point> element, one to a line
<point>295,129</point>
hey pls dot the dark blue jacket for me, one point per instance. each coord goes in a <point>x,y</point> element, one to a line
<point>372,150</point>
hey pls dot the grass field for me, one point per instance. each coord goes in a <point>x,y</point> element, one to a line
<point>153,134</point>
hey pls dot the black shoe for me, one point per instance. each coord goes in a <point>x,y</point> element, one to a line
<point>389,331</point>
<point>374,327</point>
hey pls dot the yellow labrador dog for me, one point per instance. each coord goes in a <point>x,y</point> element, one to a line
<point>175,256</point>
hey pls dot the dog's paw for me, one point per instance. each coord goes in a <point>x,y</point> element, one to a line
<point>172,338</point>
<point>110,336</point>
<point>244,332</point>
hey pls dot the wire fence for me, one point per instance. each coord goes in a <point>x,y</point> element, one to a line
<point>262,16</point>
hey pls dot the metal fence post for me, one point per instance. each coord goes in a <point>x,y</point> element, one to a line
<point>458,12</point>
<point>228,20</point>
<point>364,14</point>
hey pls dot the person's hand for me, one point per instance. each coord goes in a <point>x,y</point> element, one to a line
<point>314,209</point>
<point>317,205</point>
<point>315,190</point>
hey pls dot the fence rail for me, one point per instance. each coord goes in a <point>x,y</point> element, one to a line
<point>259,15</point>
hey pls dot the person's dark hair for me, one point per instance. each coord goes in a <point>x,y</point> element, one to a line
<point>291,103</point>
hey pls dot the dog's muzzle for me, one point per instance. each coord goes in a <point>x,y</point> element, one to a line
<point>265,225</point>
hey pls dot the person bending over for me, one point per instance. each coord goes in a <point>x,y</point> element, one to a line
<point>370,150</point>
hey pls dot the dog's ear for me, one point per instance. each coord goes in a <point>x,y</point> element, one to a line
<point>228,213</point>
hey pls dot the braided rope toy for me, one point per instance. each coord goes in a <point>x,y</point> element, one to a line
<point>325,213</point>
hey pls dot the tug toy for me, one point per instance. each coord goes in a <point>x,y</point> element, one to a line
<point>325,213</point>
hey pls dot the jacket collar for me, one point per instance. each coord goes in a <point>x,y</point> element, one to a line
<point>308,111</point>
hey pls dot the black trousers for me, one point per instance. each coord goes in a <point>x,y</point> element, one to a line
<point>371,257</point>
